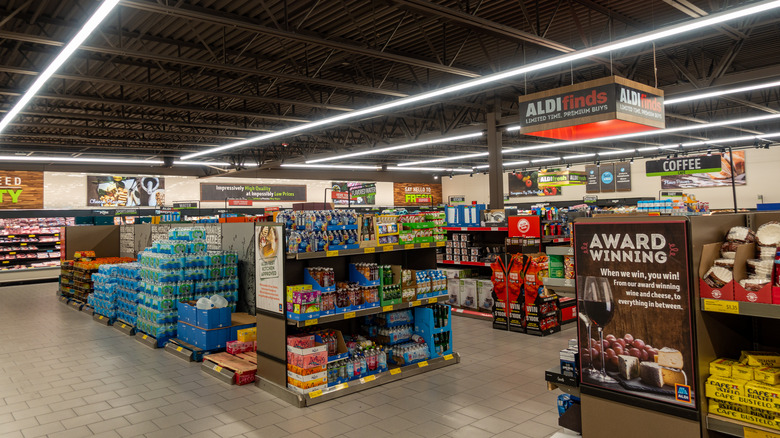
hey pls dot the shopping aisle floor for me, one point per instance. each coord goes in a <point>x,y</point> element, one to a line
<point>64,375</point>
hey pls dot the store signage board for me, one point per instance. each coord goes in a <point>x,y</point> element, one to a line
<point>240,202</point>
<point>524,226</point>
<point>592,184</point>
<point>269,267</point>
<point>561,178</point>
<point>362,193</point>
<point>607,177</point>
<point>125,191</point>
<point>526,183</point>
<point>683,165</point>
<point>219,192</point>
<point>457,199</point>
<point>185,205</point>
<point>590,199</point>
<point>21,190</point>
<point>599,108</point>
<point>415,194</point>
<point>719,177</point>
<point>630,276</point>
<point>623,176</point>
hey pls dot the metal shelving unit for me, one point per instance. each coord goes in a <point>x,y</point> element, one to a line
<point>359,251</point>
<point>365,312</point>
<point>736,428</point>
<point>744,308</point>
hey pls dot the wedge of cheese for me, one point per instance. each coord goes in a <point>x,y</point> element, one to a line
<point>628,366</point>
<point>669,357</point>
<point>654,374</point>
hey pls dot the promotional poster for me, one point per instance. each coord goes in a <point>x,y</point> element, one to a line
<point>362,193</point>
<point>416,194</point>
<point>526,183</point>
<point>125,191</point>
<point>21,189</point>
<point>269,268</point>
<point>216,192</point>
<point>710,179</point>
<point>633,295</point>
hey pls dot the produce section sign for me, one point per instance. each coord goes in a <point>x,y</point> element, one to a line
<point>362,193</point>
<point>415,194</point>
<point>125,191</point>
<point>269,268</point>
<point>218,192</point>
<point>527,184</point>
<point>633,295</point>
<point>718,175</point>
<point>21,189</point>
<point>561,178</point>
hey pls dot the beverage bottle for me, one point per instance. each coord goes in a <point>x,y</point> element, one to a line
<point>363,364</point>
<point>382,359</point>
<point>350,368</point>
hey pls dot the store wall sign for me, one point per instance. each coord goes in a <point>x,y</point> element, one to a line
<point>683,165</point>
<point>240,202</point>
<point>412,194</point>
<point>718,178</point>
<point>623,176</point>
<point>185,205</point>
<point>362,193</point>
<point>631,275</point>
<point>125,191</point>
<point>524,226</point>
<point>457,199</point>
<point>598,108</point>
<point>21,190</point>
<point>219,192</point>
<point>561,178</point>
<point>526,183</point>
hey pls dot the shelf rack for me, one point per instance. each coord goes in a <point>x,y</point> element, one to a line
<point>450,262</point>
<point>366,312</point>
<point>736,428</point>
<point>475,228</point>
<point>359,251</point>
<point>744,308</point>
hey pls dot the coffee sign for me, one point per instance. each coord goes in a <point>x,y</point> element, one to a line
<point>21,190</point>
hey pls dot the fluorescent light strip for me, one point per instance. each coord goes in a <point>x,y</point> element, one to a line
<point>441,160</point>
<point>330,166</point>
<point>432,169</point>
<point>513,128</point>
<point>545,160</point>
<point>101,160</point>
<point>699,23</point>
<point>395,148</point>
<point>722,92</point>
<point>91,24</point>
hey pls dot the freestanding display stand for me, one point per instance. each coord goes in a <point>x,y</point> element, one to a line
<point>275,270</point>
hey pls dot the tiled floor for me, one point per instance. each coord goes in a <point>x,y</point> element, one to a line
<point>64,375</point>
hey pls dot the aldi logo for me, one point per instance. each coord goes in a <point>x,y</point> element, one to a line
<point>682,393</point>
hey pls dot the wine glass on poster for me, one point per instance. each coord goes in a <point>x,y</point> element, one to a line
<point>599,305</point>
<point>587,349</point>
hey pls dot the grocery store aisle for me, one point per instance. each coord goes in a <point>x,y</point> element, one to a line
<point>63,375</point>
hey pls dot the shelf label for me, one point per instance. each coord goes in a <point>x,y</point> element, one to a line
<point>309,322</point>
<point>409,246</point>
<point>425,245</point>
<point>12,236</point>
<point>341,386</point>
<point>217,368</point>
<point>423,364</point>
<point>5,261</point>
<point>440,243</point>
<point>144,337</point>
<point>315,394</point>
<point>23,244</point>
<point>387,308</point>
<point>369,250</point>
<point>333,253</point>
<point>12,253</point>
<point>448,357</point>
<point>387,248</point>
<point>179,349</point>
<point>349,315</point>
<point>493,228</point>
<point>100,317</point>
<point>31,235</point>
<point>368,379</point>
<point>395,371</point>
<point>416,303</point>
<point>124,326</point>
<point>749,432</point>
<point>721,306</point>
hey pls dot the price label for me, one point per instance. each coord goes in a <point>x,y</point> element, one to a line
<point>721,306</point>
<point>425,245</point>
<point>315,394</point>
<point>349,315</point>
<point>12,253</point>
<point>179,349</point>
<point>387,308</point>
<point>367,379</point>
<point>31,235</point>
<point>387,248</point>
<point>311,322</point>
<point>5,261</point>
<point>749,432</point>
<point>217,368</point>
<point>395,371</point>
<point>409,246</point>
<point>369,250</point>
<point>341,386</point>
<point>416,303</point>
<point>124,326</point>
<point>333,253</point>
<point>23,244</point>
<point>12,236</point>
<point>440,243</point>
<point>448,357</point>
<point>423,364</point>
<point>100,317</point>
<point>144,337</point>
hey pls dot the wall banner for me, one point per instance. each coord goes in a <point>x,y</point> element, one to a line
<point>125,191</point>
<point>219,192</point>
<point>21,190</point>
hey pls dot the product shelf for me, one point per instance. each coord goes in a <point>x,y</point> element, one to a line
<point>365,312</point>
<point>559,283</point>
<point>555,239</point>
<point>369,250</point>
<point>450,262</point>
<point>559,250</point>
<point>357,385</point>
<point>741,308</point>
<point>475,228</point>
<point>737,428</point>
<point>472,313</point>
<point>556,380</point>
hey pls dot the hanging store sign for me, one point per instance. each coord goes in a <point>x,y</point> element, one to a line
<point>623,176</point>
<point>683,165</point>
<point>598,108</point>
<point>608,177</point>
<point>21,189</point>
<point>526,183</point>
<point>216,192</point>
<point>416,194</point>
<point>717,178</point>
<point>524,226</point>
<point>561,178</point>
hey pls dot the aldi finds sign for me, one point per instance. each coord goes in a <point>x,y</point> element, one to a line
<point>561,178</point>
<point>683,165</point>
<point>21,190</point>
<point>598,108</point>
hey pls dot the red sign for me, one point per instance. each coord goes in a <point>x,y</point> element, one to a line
<point>422,200</point>
<point>240,202</point>
<point>339,195</point>
<point>524,226</point>
<point>270,209</point>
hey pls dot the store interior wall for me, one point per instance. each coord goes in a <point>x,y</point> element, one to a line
<point>761,167</point>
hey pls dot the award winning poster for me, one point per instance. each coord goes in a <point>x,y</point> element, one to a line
<point>269,268</point>
<point>633,295</point>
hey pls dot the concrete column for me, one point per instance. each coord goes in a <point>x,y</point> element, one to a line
<point>496,161</point>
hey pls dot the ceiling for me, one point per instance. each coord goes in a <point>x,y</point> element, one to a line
<point>169,78</point>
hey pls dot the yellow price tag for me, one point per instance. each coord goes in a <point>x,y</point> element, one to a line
<point>395,371</point>
<point>349,315</point>
<point>721,306</point>
<point>749,432</point>
<point>425,245</point>
<point>448,357</point>
<point>387,248</point>
<point>23,244</point>
<point>369,250</point>
<point>179,349</point>
<point>387,308</point>
<point>217,368</point>
<point>144,337</point>
<point>315,394</point>
<point>416,303</point>
<point>341,386</point>
<point>440,243</point>
<point>31,235</point>
<point>409,246</point>
<point>124,326</point>
<point>367,379</point>
<point>333,253</point>
<point>423,364</point>
<point>311,322</point>
<point>100,317</point>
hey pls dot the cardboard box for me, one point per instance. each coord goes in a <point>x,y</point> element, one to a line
<point>453,289</point>
<point>709,253</point>
<point>187,312</point>
<point>316,356</point>
<point>213,318</point>
<point>247,334</point>
<point>485,295</point>
<point>468,293</point>
<point>206,339</point>
<point>241,321</point>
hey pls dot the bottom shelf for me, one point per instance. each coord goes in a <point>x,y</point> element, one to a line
<point>303,400</point>
<point>472,313</point>
<point>737,428</point>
